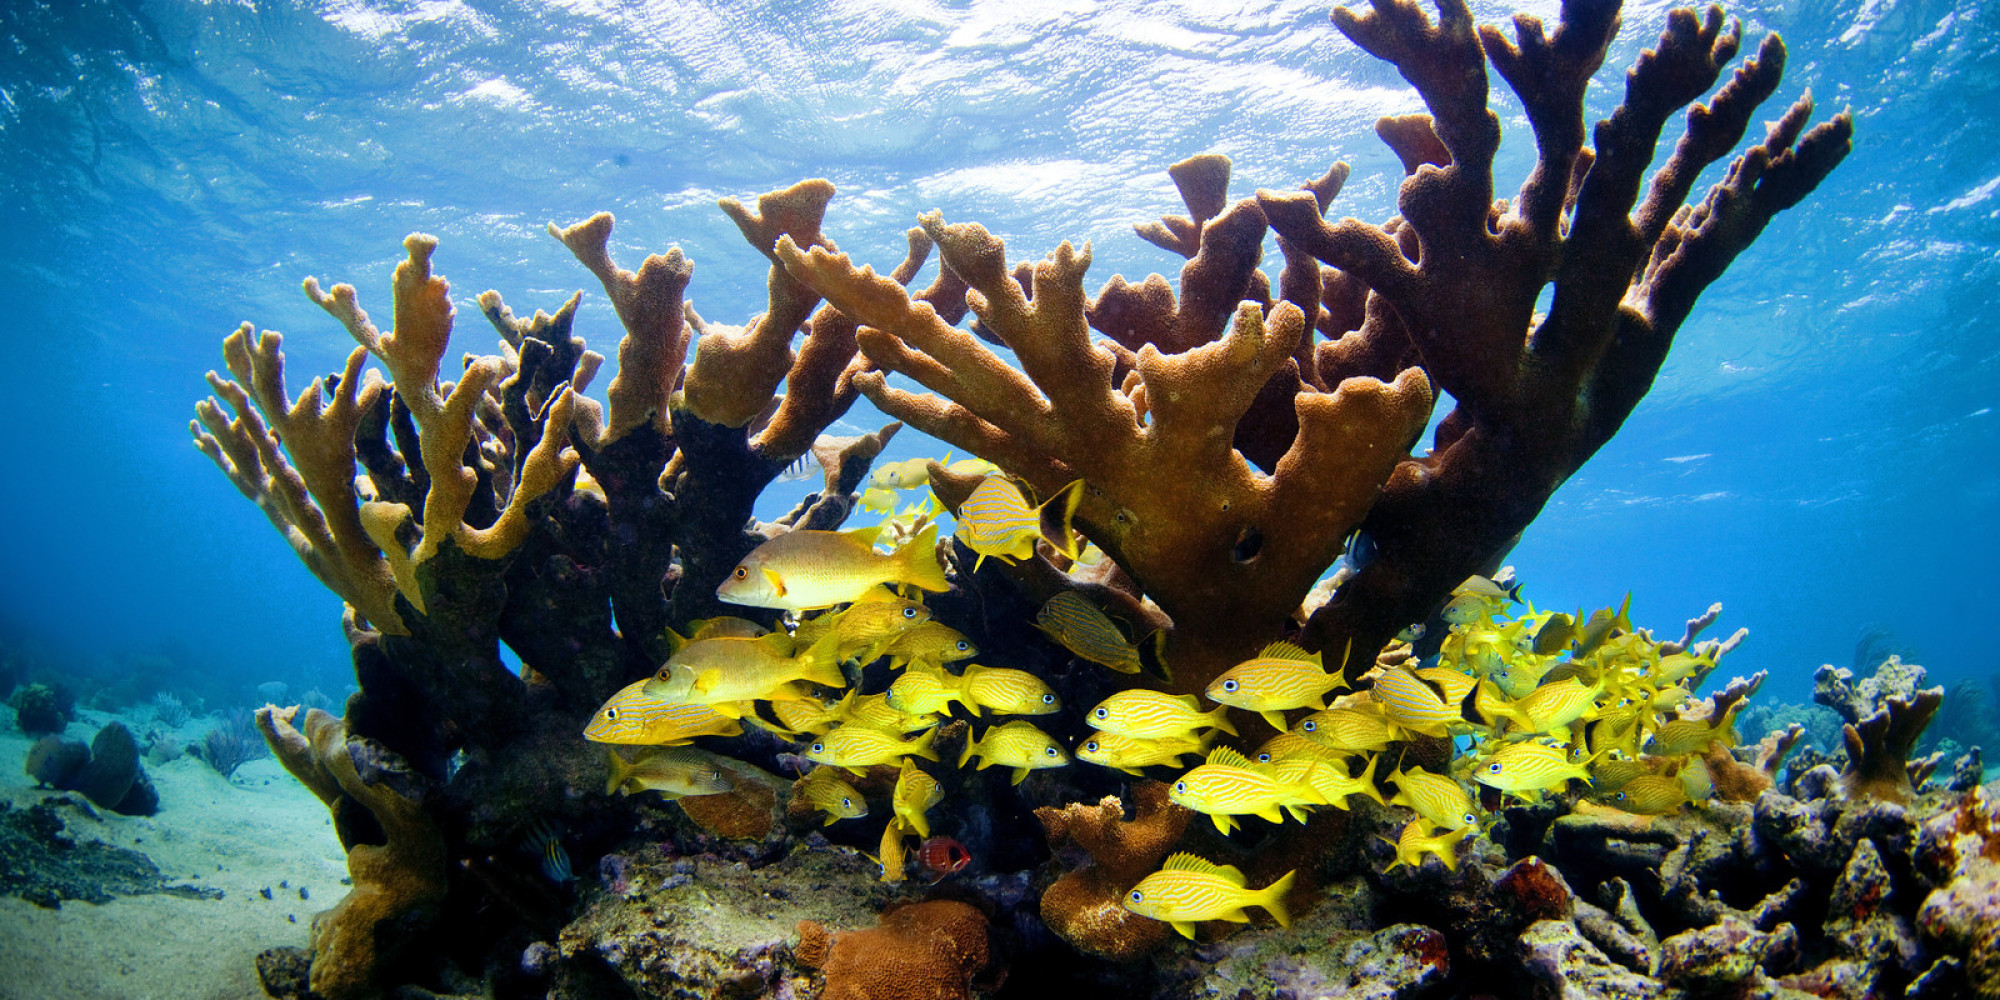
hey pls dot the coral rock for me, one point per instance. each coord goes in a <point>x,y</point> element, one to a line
<point>1724,959</point>
<point>930,949</point>
<point>1565,964</point>
<point>1086,906</point>
<point>55,762</point>
<point>754,808</point>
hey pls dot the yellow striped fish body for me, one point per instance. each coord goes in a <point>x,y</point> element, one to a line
<point>996,520</point>
<point>823,789</point>
<point>1293,745</point>
<point>1129,755</point>
<point>856,747</point>
<point>1523,768</point>
<point>930,643</point>
<point>1650,795</point>
<point>1492,707</point>
<point>1413,703</point>
<point>1078,626</point>
<point>1453,684</point>
<point>1018,745</point>
<point>873,711</point>
<point>1280,678</point>
<point>1693,735</point>
<point>1440,801</point>
<point>1415,843</point>
<point>1330,780</point>
<point>924,691</point>
<point>1187,890</point>
<point>916,792</point>
<point>866,626</point>
<point>804,570</point>
<point>1004,691</point>
<point>1611,775</point>
<point>672,771</point>
<point>1351,730</point>
<point>1677,667</point>
<point>1229,785</point>
<point>1151,715</point>
<point>1553,707</point>
<point>802,716</point>
<point>636,718</point>
<point>727,670</point>
<point>893,860</point>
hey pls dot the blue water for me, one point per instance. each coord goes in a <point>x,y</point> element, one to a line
<point>1819,453</point>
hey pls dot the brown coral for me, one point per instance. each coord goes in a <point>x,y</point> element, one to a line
<point>931,949</point>
<point>1879,746</point>
<point>393,880</point>
<point>1086,906</point>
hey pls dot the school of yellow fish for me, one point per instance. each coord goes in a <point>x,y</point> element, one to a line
<point>1534,700</point>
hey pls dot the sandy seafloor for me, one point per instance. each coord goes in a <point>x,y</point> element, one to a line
<point>240,835</point>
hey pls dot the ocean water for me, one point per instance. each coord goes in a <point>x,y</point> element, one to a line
<point>1820,453</point>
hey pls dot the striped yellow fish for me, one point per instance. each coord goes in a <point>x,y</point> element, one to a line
<point>1129,755</point>
<point>1413,703</point>
<point>1611,775</point>
<point>634,717</point>
<point>1523,768</point>
<point>996,520</point>
<point>865,627</point>
<point>892,860</point>
<point>804,570</point>
<point>1151,715</point>
<point>931,643</point>
<point>873,711</point>
<point>1353,730</point>
<point>1693,735</point>
<point>823,789</point>
<point>1650,795</point>
<point>1187,890</point>
<point>1454,685</point>
<point>1229,785</point>
<point>801,717</point>
<point>1294,745</point>
<point>672,771</point>
<point>856,747</point>
<point>1415,843</point>
<point>924,691</point>
<point>916,792</point>
<point>1018,745</point>
<point>1551,708</point>
<point>1330,778</point>
<point>1078,626</point>
<point>1279,678</point>
<point>1005,691</point>
<point>1440,801</point>
<point>727,672</point>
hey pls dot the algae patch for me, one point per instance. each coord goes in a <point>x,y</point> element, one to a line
<point>41,863</point>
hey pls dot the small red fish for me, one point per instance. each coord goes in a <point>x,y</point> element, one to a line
<point>941,856</point>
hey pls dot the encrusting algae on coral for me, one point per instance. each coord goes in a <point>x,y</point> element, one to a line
<point>1141,562</point>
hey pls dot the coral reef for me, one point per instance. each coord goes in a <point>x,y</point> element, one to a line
<point>929,949</point>
<point>43,708</point>
<point>1086,905</point>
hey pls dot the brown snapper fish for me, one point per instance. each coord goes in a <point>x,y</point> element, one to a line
<point>804,570</point>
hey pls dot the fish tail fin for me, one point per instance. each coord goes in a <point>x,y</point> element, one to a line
<point>620,770</point>
<point>1157,642</point>
<point>820,664</point>
<point>1064,537</point>
<point>1272,899</point>
<point>1220,720</point>
<point>921,568</point>
<point>971,747</point>
<point>921,747</point>
<point>1367,779</point>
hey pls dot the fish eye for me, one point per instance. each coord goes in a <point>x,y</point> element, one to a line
<point>743,572</point>
<point>1493,768</point>
<point>909,612</point>
<point>1229,685</point>
<point>1051,751</point>
<point>1470,819</point>
<point>963,645</point>
<point>610,713</point>
<point>1048,699</point>
<point>1181,787</point>
<point>1090,747</point>
<point>1137,895</point>
<point>846,803</point>
<point>1310,726</point>
<point>1102,712</point>
<point>1263,758</point>
<point>818,748</point>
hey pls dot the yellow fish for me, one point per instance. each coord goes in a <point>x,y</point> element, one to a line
<point>1187,890</point>
<point>1151,715</point>
<point>1281,677</point>
<point>856,747</point>
<point>802,717</point>
<point>1330,778</point>
<point>634,717</point>
<point>671,771</point>
<point>1413,703</point>
<point>1354,730</point>
<point>1229,785</point>
<point>1440,801</point>
<point>903,475</point>
<point>873,711</point>
<point>1520,768</point>
<point>916,792</point>
<point>1553,707</point>
<point>931,643</point>
<point>823,789</point>
<point>1650,795</point>
<point>1611,775</point>
<point>924,690</point>
<point>1004,691</point>
<point>805,570</point>
<point>1693,735</point>
<point>996,520</point>
<point>1129,755</point>
<point>1415,843</point>
<point>1078,626</point>
<point>1292,745</point>
<point>1453,684</point>
<point>866,626</point>
<point>892,859</point>
<point>727,672</point>
<point>1018,745</point>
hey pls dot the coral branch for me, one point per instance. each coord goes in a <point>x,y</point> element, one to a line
<point>656,332</point>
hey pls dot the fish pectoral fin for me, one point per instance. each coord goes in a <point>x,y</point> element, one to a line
<point>1186,927</point>
<point>1271,813</point>
<point>777,582</point>
<point>707,681</point>
<point>1276,720</point>
<point>1236,917</point>
<point>1223,822</point>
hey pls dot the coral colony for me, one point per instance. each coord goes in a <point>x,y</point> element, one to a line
<point>1116,698</point>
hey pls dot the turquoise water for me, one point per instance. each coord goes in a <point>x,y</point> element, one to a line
<point>1819,453</point>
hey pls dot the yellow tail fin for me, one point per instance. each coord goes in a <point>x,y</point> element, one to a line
<point>821,663</point>
<point>921,568</point>
<point>620,770</point>
<point>1272,899</point>
<point>1064,536</point>
<point>1220,720</point>
<point>923,746</point>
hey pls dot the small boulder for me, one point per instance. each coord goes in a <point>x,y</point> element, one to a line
<point>55,762</point>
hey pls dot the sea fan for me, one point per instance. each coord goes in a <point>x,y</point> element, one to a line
<point>231,743</point>
<point>169,711</point>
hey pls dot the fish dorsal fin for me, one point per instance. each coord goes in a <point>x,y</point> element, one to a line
<point>777,644</point>
<point>1228,757</point>
<point>877,594</point>
<point>1282,650</point>
<point>866,535</point>
<point>1201,866</point>
<point>1189,700</point>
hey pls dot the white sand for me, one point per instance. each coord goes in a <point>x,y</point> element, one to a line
<point>239,836</point>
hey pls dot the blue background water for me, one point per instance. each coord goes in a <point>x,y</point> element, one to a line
<point>1818,454</point>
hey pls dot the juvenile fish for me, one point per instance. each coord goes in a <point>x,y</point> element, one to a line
<point>996,520</point>
<point>1351,730</point>
<point>804,570</point>
<point>1693,735</point>
<point>1018,745</point>
<point>1130,755</point>
<point>916,792</point>
<point>873,711</point>
<point>1187,890</point>
<point>1005,691</point>
<point>1279,678</point>
<point>856,747</point>
<point>823,789</point>
<point>634,717</point>
<point>865,627</point>
<point>893,861</point>
<point>1414,704</point>
<point>1079,626</point>
<point>1651,795</point>
<point>1152,715</point>
<point>671,771</point>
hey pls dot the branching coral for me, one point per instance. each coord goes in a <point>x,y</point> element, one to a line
<point>1086,905</point>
